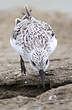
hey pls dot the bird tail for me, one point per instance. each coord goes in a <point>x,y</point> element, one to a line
<point>27,14</point>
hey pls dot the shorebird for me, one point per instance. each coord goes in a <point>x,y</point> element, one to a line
<point>35,41</point>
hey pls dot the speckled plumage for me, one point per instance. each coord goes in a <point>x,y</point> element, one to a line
<point>31,33</point>
<point>34,40</point>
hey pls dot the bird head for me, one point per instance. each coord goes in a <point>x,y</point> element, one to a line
<point>39,61</point>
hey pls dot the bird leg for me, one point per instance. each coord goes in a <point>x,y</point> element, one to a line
<point>23,69</point>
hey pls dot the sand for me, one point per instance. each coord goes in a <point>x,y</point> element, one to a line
<point>31,97</point>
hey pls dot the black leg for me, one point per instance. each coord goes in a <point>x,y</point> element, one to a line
<point>23,69</point>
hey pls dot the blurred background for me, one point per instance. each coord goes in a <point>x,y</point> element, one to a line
<point>57,13</point>
<point>44,5</point>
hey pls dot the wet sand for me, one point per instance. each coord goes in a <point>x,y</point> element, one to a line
<point>18,96</point>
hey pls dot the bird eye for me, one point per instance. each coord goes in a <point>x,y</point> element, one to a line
<point>52,34</point>
<point>46,62</point>
<point>33,63</point>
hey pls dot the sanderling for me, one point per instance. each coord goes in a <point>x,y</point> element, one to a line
<point>34,40</point>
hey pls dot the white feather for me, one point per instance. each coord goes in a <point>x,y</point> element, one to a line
<point>33,40</point>
<point>52,45</point>
<point>18,49</point>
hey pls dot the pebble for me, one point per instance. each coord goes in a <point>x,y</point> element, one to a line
<point>52,97</point>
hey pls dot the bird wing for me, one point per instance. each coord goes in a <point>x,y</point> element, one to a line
<point>31,33</point>
<point>46,36</point>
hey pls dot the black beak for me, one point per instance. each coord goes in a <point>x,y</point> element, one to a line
<point>42,75</point>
